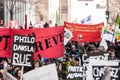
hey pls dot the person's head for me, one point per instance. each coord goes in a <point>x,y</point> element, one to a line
<point>101,48</point>
<point>36,64</point>
<point>73,47</point>
<point>9,66</point>
<point>73,56</point>
<point>46,25</point>
<point>18,74</point>
<point>112,55</point>
<point>16,68</point>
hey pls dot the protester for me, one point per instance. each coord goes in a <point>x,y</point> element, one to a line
<point>65,65</point>
<point>112,55</point>
<point>71,57</point>
<point>18,74</point>
<point>73,51</point>
<point>4,75</point>
<point>37,64</point>
<point>59,68</point>
<point>46,25</point>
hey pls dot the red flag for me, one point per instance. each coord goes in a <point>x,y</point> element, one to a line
<point>49,41</point>
<point>85,32</point>
<point>12,23</point>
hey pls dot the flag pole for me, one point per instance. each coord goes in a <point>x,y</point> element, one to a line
<point>25,21</point>
<point>59,9</point>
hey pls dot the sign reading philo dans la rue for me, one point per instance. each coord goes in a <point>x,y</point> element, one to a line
<point>23,49</point>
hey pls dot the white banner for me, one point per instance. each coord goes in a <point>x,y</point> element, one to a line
<point>47,72</point>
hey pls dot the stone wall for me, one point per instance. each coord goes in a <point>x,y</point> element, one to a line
<point>41,10</point>
<point>114,8</point>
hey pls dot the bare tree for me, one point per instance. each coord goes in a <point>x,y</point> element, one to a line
<point>13,7</point>
<point>114,7</point>
<point>38,13</point>
<point>32,4</point>
<point>10,5</point>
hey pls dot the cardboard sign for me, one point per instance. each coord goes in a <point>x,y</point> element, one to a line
<point>47,72</point>
<point>23,49</point>
<point>75,73</point>
<point>100,71</point>
<point>98,56</point>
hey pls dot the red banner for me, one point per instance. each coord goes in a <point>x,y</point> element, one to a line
<point>49,41</point>
<point>85,32</point>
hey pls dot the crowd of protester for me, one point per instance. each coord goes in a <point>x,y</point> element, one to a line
<point>72,56</point>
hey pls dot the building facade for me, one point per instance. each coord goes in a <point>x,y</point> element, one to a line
<point>41,11</point>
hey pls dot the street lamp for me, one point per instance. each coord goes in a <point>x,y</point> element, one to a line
<point>107,15</point>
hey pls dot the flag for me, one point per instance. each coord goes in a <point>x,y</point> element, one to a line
<point>86,20</point>
<point>67,35</point>
<point>12,23</point>
<point>118,21</point>
<point>58,22</point>
<point>85,33</point>
<point>49,41</point>
<point>117,24</point>
<point>117,28</point>
<point>103,43</point>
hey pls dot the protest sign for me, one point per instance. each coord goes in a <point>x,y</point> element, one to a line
<point>108,34</point>
<point>98,56</point>
<point>47,72</point>
<point>100,71</point>
<point>22,50</point>
<point>93,62</point>
<point>75,73</point>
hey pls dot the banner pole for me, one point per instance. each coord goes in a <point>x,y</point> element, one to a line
<point>22,72</point>
<point>26,22</point>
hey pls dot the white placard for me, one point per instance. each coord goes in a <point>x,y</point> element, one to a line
<point>47,72</point>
